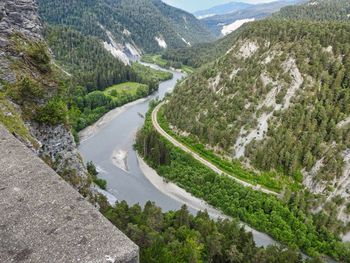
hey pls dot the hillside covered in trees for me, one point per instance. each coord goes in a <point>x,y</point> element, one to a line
<point>278,101</point>
<point>137,22</point>
<point>96,42</point>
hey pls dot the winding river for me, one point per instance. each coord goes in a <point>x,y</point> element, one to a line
<point>109,144</point>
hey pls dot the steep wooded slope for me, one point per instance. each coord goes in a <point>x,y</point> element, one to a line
<point>150,25</point>
<point>96,41</point>
<point>278,100</point>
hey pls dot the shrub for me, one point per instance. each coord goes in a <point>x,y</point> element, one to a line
<point>93,172</point>
<point>54,112</point>
<point>25,90</point>
<point>39,56</point>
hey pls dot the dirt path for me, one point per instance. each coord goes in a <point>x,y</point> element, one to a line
<point>199,158</point>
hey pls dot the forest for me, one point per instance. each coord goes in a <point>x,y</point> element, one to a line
<point>325,10</point>
<point>270,180</point>
<point>85,107</point>
<point>149,20</point>
<point>178,236</point>
<point>298,136</point>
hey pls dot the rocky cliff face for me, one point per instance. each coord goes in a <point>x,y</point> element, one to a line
<point>24,58</point>
<point>16,17</point>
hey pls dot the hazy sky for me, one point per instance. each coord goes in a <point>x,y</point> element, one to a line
<point>195,5</point>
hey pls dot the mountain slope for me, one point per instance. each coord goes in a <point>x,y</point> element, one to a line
<point>149,25</point>
<point>320,10</point>
<point>96,41</point>
<point>278,101</point>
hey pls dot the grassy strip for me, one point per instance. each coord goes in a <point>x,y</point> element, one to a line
<point>284,221</point>
<point>149,74</point>
<point>155,59</point>
<point>127,88</point>
<point>268,180</point>
<point>158,60</point>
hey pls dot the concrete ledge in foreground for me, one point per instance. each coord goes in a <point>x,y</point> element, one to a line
<point>43,219</point>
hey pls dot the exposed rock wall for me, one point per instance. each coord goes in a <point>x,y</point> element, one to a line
<point>16,16</point>
<point>19,18</point>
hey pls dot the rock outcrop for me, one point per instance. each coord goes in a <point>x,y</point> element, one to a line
<point>20,25</point>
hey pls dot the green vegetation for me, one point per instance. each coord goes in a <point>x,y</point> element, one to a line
<point>85,107</point>
<point>25,91</point>
<point>37,89</point>
<point>129,88</point>
<point>269,180</point>
<point>201,53</point>
<point>287,221</point>
<point>93,173</point>
<point>148,75</point>
<point>324,10</point>
<point>155,59</point>
<point>35,53</point>
<point>298,136</point>
<point>53,112</point>
<point>94,70</point>
<point>220,99</point>
<point>12,120</point>
<point>160,61</point>
<point>85,58</point>
<point>178,236</point>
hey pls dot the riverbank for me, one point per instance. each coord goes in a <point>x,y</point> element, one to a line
<point>100,144</point>
<point>174,191</point>
<point>106,119</point>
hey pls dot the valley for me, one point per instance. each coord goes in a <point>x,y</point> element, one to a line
<point>217,136</point>
<point>140,180</point>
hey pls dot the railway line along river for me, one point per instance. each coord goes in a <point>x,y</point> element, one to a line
<point>109,145</point>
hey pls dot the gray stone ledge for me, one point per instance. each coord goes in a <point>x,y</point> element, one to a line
<point>43,219</point>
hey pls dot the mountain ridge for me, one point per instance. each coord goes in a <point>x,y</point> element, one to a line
<point>144,27</point>
<point>222,9</point>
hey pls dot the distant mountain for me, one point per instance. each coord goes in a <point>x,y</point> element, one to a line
<point>222,9</point>
<point>218,22</point>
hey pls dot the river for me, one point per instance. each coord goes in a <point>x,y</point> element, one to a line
<point>109,144</point>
